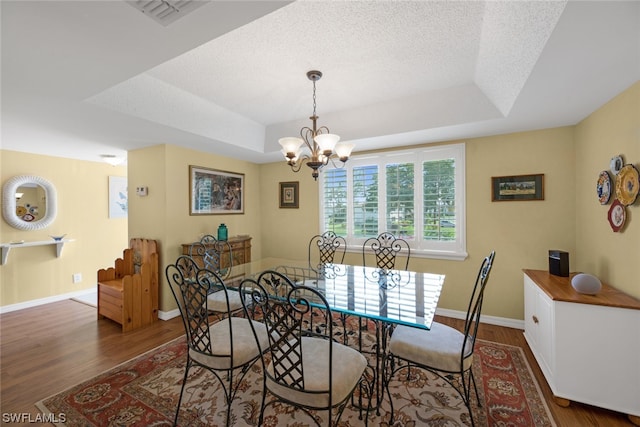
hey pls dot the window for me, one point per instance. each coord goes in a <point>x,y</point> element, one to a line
<point>417,195</point>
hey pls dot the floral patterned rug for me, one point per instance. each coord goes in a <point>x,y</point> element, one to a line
<point>144,392</point>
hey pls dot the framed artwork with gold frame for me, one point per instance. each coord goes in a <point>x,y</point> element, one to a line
<point>289,194</point>
<point>517,187</point>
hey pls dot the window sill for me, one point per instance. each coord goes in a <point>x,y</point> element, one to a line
<point>423,253</point>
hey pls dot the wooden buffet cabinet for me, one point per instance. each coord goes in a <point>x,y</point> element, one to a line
<point>240,249</point>
<point>587,346</point>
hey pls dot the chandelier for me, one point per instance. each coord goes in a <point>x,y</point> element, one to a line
<point>322,145</point>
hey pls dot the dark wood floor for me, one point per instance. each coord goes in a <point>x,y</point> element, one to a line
<point>49,348</point>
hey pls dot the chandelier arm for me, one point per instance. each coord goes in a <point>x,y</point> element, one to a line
<point>336,165</point>
<point>307,134</point>
<point>295,166</point>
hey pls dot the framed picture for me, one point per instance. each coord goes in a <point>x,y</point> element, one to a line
<point>517,187</point>
<point>215,192</point>
<point>118,199</point>
<point>289,194</point>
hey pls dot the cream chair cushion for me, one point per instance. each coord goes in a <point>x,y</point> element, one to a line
<point>217,302</point>
<point>438,347</point>
<point>348,366</point>
<point>245,347</point>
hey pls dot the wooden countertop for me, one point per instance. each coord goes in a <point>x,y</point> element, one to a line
<point>560,289</point>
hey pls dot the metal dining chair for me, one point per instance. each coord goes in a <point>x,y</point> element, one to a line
<point>303,366</point>
<point>225,348</point>
<point>387,248</point>
<point>443,350</point>
<point>326,248</point>
<point>217,256</point>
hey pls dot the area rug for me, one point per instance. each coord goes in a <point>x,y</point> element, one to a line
<point>144,392</point>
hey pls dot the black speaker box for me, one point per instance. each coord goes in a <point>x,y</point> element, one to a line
<point>559,263</point>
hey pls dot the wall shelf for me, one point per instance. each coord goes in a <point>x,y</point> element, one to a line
<point>6,247</point>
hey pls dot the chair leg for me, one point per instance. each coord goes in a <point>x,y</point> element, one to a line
<point>184,382</point>
<point>466,390</point>
<point>386,379</point>
<point>230,395</point>
<point>475,387</point>
<point>264,396</point>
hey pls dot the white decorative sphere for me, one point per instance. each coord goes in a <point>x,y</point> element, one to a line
<point>586,284</point>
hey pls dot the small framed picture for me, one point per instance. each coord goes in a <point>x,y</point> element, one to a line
<point>118,198</point>
<point>517,187</point>
<point>289,194</point>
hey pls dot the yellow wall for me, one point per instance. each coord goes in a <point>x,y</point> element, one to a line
<point>612,130</point>
<point>521,232</point>
<point>82,190</point>
<point>164,213</point>
<point>286,232</point>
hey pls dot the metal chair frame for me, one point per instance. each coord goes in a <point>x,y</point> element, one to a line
<point>472,322</point>
<point>190,286</point>
<point>291,313</point>
<point>330,247</point>
<point>214,253</point>
<point>387,248</point>
<point>217,256</point>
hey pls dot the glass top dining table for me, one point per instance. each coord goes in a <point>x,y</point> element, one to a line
<point>391,296</point>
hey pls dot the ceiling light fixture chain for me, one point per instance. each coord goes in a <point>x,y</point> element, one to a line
<point>323,146</point>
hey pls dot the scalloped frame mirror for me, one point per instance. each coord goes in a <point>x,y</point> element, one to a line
<point>9,190</point>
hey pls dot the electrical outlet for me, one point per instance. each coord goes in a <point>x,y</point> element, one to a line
<point>77,278</point>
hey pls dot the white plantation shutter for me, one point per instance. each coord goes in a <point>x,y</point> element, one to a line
<point>365,201</point>
<point>417,195</point>
<point>334,205</point>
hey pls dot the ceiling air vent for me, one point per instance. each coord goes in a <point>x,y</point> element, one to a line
<point>165,12</point>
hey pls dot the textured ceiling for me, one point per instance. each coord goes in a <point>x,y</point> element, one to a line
<point>229,77</point>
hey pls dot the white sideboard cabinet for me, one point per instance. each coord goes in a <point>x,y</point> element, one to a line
<point>587,346</point>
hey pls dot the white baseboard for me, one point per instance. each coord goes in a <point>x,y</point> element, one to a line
<point>168,315</point>
<point>491,320</point>
<point>47,300</point>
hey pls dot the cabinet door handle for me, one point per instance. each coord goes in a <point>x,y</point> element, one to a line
<point>535,319</point>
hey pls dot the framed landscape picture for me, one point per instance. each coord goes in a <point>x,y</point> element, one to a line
<point>215,192</point>
<point>517,187</point>
<point>289,194</point>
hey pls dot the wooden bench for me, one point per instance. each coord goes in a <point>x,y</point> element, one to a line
<point>128,292</point>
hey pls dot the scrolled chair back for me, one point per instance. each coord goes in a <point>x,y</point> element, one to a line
<point>216,255</point>
<point>190,286</point>
<point>387,248</point>
<point>472,321</point>
<point>269,284</point>
<point>326,248</point>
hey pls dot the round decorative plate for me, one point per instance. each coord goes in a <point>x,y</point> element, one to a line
<point>627,185</point>
<point>617,215</point>
<point>603,187</point>
<point>616,164</point>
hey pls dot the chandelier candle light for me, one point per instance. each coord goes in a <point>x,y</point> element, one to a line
<point>322,144</point>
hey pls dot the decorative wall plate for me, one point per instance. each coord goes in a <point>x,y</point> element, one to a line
<point>616,164</point>
<point>603,187</point>
<point>617,215</point>
<point>627,185</point>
